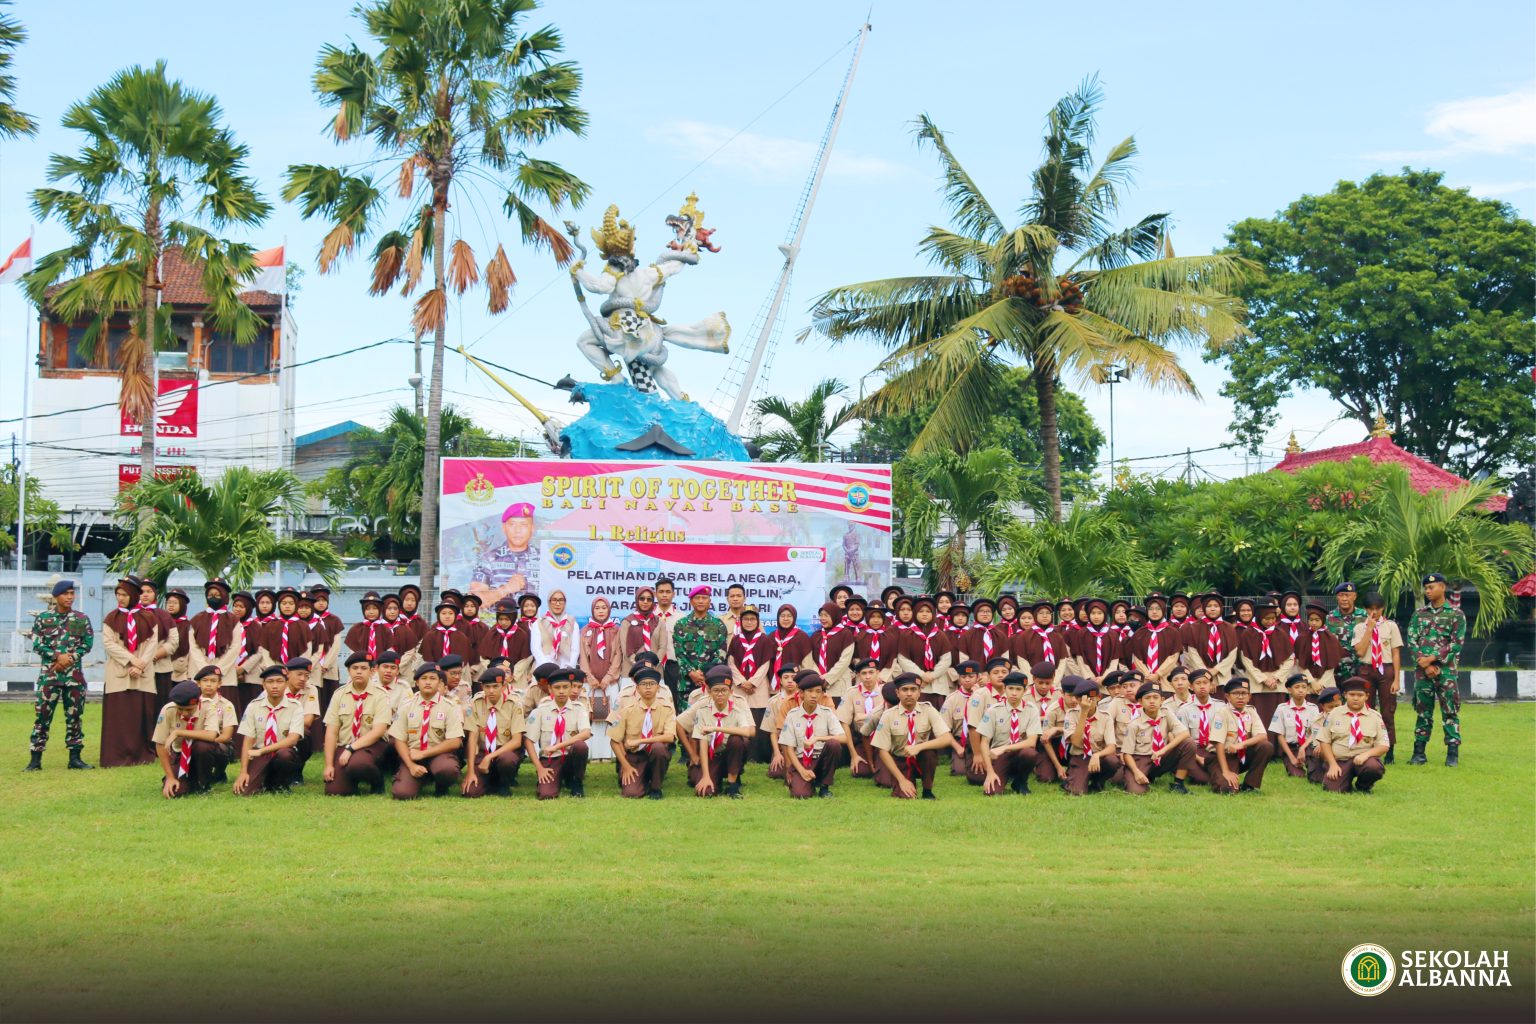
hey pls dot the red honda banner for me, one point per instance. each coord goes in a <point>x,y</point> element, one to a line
<point>175,411</point>
<point>128,473</point>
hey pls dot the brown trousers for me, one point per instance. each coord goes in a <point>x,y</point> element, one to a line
<point>273,771</point>
<point>1011,766</point>
<point>501,774</point>
<point>1180,757</point>
<point>762,744</point>
<point>1297,770</point>
<point>1045,768</point>
<point>1380,697</point>
<point>871,763</point>
<point>724,763</point>
<point>366,765</point>
<point>1363,776</point>
<point>824,769</point>
<point>572,768</point>
<point>206,759</point>
<point>650,763</point>
<point>1079,778</point>
<point>1249,769</point>
<point>442,772</point>
<point>918,770</point>
<point>1316,767</point>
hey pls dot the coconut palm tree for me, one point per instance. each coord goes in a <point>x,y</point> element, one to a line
<point>946,499</point>
<point>221,527</point>
<point>808,425</point>
<point>1404,534</point>
<point>156,169</point>
<point>455,91</point>
<point>1060,292</point>
<point>1089,552</point>
<point>12,121</point>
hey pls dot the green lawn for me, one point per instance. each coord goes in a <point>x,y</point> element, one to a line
<point>297,907</point>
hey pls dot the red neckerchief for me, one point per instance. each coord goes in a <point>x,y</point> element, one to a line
<point>1292,626</point>
<point>987,642</point>
<point>781,640</point>
<point>1048,649</point>
<point>506,638</point>
<point>282,643</point>
<point>1213,645</point>
<point>599,636</point>
<point>928,656</point>
<point>1266,651</point>
<point>557,631</point>
<point>1098,647</point>
<point>749,651</point>
<point>1152,644</point>
<point>821,654</point>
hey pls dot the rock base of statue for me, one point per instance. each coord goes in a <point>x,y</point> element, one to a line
<point>623,423</point>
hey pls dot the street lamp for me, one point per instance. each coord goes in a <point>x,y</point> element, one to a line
<point>1114,374</point>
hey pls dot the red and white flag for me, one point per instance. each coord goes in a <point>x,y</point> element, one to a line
<point>18,263</point>
<point>270,273</point>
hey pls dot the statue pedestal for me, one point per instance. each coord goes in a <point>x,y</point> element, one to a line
<point>622,423</point>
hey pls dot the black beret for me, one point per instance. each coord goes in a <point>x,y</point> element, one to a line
<point>1235,683</point>
<point>888,693</point>
<point>861,664</point>
<point>63,587</point>
<point>358,658</point>
<point>643,675</point>
<point>908,679</point>
<point>1150,686</point>
<point>1043,669</point>
<point>994,662</point>
<point>804,674</point>
<point>1328,693</point>
<point>1015,679</point>
<point>273,670</point>
<point>647,658</point>
<point>1081,687</point>
<point>716,675</point>
<point>388,657</point>
<point>1296,677</point>
<point>543,672</point>
<point>1433,577</point>
<point>968,666</point>
<point>810,681</point>
<point>299,664</point>
<point>449,661</point>
<point>1354,683</point>
<point>1344,588</point>
<point>184,693</point>
<point>208,670</point>
<point>492,674</point>
<point>427,667</point>
<point>565,675</point>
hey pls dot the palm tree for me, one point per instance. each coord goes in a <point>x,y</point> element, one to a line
<point>455,91</point>
<point>945,499</point>
<point>1061,293</point>
<point>154,152</point>
<point>221,528</point>
<point>1089,552</point>
<point>808,425</point>
<point>382,479</point>
<point>12,121</point>
<point>1404,535</point>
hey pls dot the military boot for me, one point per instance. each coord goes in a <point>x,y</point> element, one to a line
<point>1418,753</point>
<point>1451,756</point>
<point>77,762</point>
<point>36,764</point>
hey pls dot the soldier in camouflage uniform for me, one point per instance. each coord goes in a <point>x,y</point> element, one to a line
<point>62,638</point>
<point>1435,635</point>
<point>699,641</point>
<point>1341,623</point>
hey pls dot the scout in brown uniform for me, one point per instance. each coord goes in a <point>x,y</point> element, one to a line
<point>1268,658</point>
<point>963,760</point>
<point>642,740</point>
<point>1050,704</point>
<point>356,732</point>
<point>1011,732</point>
<point>1320,654</point>
<point>1200,716</point>
<point>1379,651</point>
<point>387,672</point>
<point>1292,722</point>
<point>286,636</point>
<point>861,701</point>
<point>785,701</point>
<point>446,637</point>
<point>1316,766</point>
<point>271,731</point>
<point>1156,647</point>
<point>507,641</point>
<point>1092,760</point>
<point>556,737</point>
<point>1097,646</point>
<point>495,728</point>
<point>1241,742</point>
<point>218,638</point>
<point>717,745</point>
<point>176,608</point>
<point>909,738</point>
<point>832,649</point>
<point>599,656</point>
<point>749,656</point>
<point>130,637</point>
<point>926,652</point>
<point>370,637</point>
<point>810,743</point>
<point>302,690</point>
<point>1209,642</point>
<point>329,623</point>
<point>192,737</point>
<point>149,601</point>
<point>1156,744</point>
<point>428,733</point>
<point>1351,741</point>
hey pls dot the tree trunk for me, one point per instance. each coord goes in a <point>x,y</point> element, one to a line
<point>432,442</point>
<point>149,297</point>
<point>1050,439</point>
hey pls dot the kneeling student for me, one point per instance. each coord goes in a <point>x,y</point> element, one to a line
<point>1351,740</point>
<point>270,733</point>
<point>1242,745</point>
<point>1091,757</point>
<point>217,714</point>
<point>909,738</point>
<point>556,740</point>
<point>1292,724</point>
<point>810,741</point>
<point>1009,734</point>
<point>495,731</point>
<point>860,702</point>
<point>189,748</point>
<point>1155,745</point>
<point>717,745</point>
<point>642,739</point>
<point>1317,768</point>
<point>356,747</point>
<point>428,734</point>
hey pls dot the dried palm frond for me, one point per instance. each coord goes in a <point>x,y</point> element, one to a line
<point>136,400</point>
<point>499,280</point>
<point>339,126</point>
<point>408,175</point>
<point>463,271</point>
<point>337,241</point>
<point>386,269</point>
<point>413,260</point>
<point>429,312</point>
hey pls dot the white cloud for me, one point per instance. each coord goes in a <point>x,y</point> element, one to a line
<point>1500,125</point>
<point>763,157</point>
<point>1495,189</point>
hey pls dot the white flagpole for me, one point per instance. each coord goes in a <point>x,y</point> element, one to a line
<point>283,381</point>
<point>28,367</point>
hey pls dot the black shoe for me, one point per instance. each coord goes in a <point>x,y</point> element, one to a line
<point>928,795</point>
<point>1388,759</point>
<point>1021,786</point>
<point>1177,786</point>
<point>733,790</point>
<point>1418,755</point>
<point>654,794</point>
<point>220,774</point>
<point>36,764</point>
<point>1245,788</point>
<point>76,762</point>
<point>1451,755</point>
<point>578,790</point>
<point>824,792</point>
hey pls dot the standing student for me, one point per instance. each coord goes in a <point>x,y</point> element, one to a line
<point>1351,741</point>
<point>717,745</point>
<point>810,741</point>
<point>1241,743</point>
<point>506,640</point>
<point>1009,732</point>
<point>445,637</point>
<point>270,732</point>
<point>556,740</point>
<point>1378,647</point>
<point>428,733</point>
<point>495,732</point>
<point>876,643</point>
<point>149,600</point>
<point>791,647</point>
<point>370,637</point>
<point>356,724</point>
<point>1156,744</point>
<point>862,701</point>
<point>1097,645</point>
<point>286,636</point>
<point>218,638</point>
<point>1210,642</point>
<point>926,652</point>
<point>963,759</point>
<point>642,740</point>
<point>1155,648</point>
<point>1008,622</point>
<point>130,636</point>
<point>909,737</point>
<point>1091,757</point>
<point>328,630</point>
<point>61,638</point>
<point>832,649</point>
<point>1268,658</point>
<point>474,628</point>
<point>982,640</point>
<point>181,631</point>
<point>1292,723</point>
<point>644,630</point>
<point>749,658</point>
<point>1320,655</point>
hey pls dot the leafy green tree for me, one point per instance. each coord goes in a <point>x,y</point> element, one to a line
<point>1061,292</point>
<point>1088,552</point>
<point>156,166</point>
<point>1013,425</point>
<point>457,91</point>
<point>1408,534</point>
<point>13,122</point>
<point>43,516</point>
<point>1396,294</point>
<point>946,500</point>
<point>221,527</point>
<point>807,427</point>
<point>381,480</point>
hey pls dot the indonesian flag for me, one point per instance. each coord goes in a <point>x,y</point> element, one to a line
<point>18,263</point>
<point>270,273</point>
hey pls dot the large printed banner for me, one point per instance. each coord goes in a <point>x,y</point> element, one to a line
<point>787,532</point>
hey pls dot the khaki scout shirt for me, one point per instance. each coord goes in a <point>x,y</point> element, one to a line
<point>1390,637</point>
<point>1138,733</point>
<point>309,698</point>
<point>736,716</point>
<point>396,693</point>
<point>540,725</point>
<point>511,722</point>
<point>982,698</point>
<point>1098,734</point>
<point>927,723</point>
<point>997,724</point>
<point>631,722</point>
<point>857,705</point>
<point>825,726</point>
<point>171,718</point>
<point>1283,722</point>
<point>443,719</point>
<point>1335,731</point>
<point>1226,726</point>
<point>342,713</point>
<point>289,714</point>
<point>214,714</point>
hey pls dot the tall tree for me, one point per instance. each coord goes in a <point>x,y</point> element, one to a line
<point>1062,292</point>
<point>43,514</point>
<point>457,91</point>
<point>1089,552</point>
<point>807,427</point>
<point>221,527</point>
<point>1400,295</point>
<point>946,500</point>
<point>157,168</point>
<point>12,121</point>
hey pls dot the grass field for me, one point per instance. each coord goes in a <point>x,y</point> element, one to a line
<point>296,907</point>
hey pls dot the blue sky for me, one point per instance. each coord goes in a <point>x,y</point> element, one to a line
<point>1238,109</point>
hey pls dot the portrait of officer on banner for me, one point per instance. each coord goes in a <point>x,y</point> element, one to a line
<point>513,567</point>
